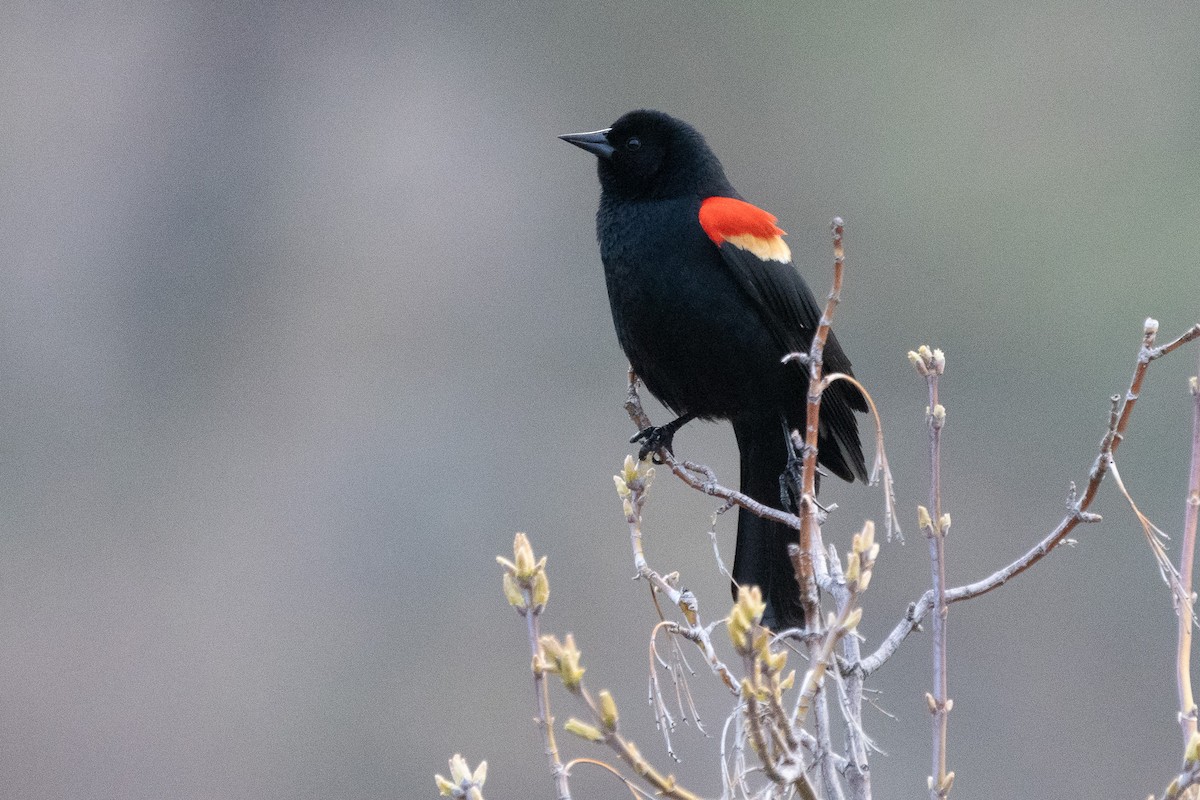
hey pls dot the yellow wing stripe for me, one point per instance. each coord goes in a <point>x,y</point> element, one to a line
<point>772,249</point>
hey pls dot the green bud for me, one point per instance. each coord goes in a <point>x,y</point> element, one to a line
<point>512,592</point>
<point>583,730</point>
<point>608,711</point>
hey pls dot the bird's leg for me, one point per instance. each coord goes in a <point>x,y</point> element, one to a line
<point>654,439</point>
<point>791,481</point>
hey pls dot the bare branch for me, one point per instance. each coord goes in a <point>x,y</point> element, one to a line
<point>931,364</point>
<point>544,719</point>
<point>698,476</point>
<point>1077,507</point>
<point>811,550</point>
<point>810,564</point>
<point>1185,609</point>
<point>528,588</point>
<point>1191,334</point>
<point>634,790</point>
<point>880,469</point>
<point>856,768</point>
<point>632,484</point>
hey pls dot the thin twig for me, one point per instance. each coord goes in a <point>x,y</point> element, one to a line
<point>1185,610</point>
<point>811,549</point>
<point>698,476</point>
<point>1077,507</point>
<point>632,484</point>
<point>931,364</point>
<point>880,469</point>
<point>541,688</point>
<point>856,768</point>
<point>1185,780</point>
<point>634,790</point>
<point>810,558</point>
<point>664,785</point>
<point>812,695</point>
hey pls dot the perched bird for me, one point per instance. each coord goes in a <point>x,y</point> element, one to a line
<point>706,302</point>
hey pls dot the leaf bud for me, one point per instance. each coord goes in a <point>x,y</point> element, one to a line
<point>583,730</point>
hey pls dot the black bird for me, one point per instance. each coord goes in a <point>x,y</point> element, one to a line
<point>706,302</point>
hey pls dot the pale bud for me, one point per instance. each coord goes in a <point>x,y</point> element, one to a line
<point>541,589</point>
<point>923,518</point>
<point>853,618</point>
<point>568,664</point>
<point>629,470</point>
<point>761,641</point>
<point>523,556</point>
<point>864,580</point>
<point>512,592</point>
<point>865,538</point>
<point>551,650</point>
<point>459,771</point>
<point>918,362</point>
<point>1191,753</point>
<point>746,612</point>
<point>852,568</point>
<point>583,730</point>
<point>608,710</point>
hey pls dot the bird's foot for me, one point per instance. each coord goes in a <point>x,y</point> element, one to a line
<point>656,439</point>
<point>653,440</point>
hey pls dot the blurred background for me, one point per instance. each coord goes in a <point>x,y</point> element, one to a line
<point>303,318</point>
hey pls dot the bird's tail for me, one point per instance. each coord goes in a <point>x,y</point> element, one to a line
<point>761,558</point>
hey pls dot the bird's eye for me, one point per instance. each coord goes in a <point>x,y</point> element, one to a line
<point>633,143</point>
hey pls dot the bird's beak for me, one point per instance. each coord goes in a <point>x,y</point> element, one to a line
<point>595,142</point>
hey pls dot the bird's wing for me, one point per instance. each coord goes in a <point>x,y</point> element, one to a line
<point>752,247</point>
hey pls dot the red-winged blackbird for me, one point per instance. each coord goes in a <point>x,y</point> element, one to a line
<point>706,302</point>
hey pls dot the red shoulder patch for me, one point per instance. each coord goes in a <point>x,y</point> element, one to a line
<point>725,217</point>
<point>743,225</point>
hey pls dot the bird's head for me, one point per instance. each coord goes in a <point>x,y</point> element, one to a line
<point>649,154</point>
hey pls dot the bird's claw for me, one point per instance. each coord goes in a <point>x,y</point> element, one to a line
<point>653,440</point>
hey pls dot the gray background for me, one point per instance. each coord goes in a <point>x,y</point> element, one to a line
<point>303,317</point>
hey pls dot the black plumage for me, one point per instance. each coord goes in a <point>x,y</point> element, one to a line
<point>705,312</point>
